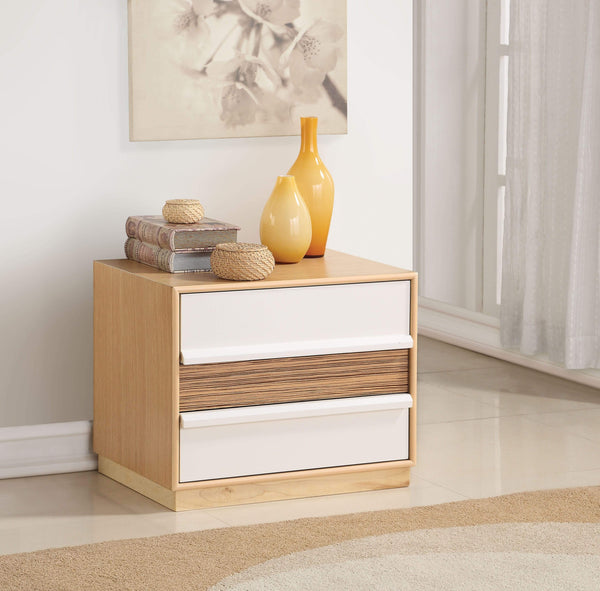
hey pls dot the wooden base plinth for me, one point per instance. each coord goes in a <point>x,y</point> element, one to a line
<point>266,487</point>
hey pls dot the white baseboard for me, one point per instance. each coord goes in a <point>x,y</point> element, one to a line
<point>53,448</point>
<point>481,333</point>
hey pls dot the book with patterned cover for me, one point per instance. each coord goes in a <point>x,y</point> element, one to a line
<point>167,260</point>
<point>154,229</point>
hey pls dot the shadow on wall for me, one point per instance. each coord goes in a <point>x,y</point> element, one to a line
<point>46,359</point>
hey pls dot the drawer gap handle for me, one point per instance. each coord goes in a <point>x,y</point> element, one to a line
<point>295,410</point>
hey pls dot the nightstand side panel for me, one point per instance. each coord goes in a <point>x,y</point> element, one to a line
<point>135,373</point>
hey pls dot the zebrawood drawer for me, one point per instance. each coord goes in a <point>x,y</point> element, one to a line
<point>292,379</point>
<point>295,436</point>
<point>242,325</point>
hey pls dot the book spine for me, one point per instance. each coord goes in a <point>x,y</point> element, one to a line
<point>209,240</point>
<point>149,254</point>
<point>131,226</point>
<point>150,233</point>
<point>166,238</point>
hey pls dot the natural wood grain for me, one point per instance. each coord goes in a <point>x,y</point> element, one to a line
<point>148,488</point>
<point>267,487</point>
<point>292,379</point>
<point>299,487</point>
<point>333,268</point>
<point>135,357</point>
<point>174,353</point>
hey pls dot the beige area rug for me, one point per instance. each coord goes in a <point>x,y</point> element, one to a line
<point>540,540</point>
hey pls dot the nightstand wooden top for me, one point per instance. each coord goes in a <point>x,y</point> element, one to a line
<point>334,267</point>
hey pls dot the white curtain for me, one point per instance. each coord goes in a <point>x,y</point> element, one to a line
<point>551,256</point>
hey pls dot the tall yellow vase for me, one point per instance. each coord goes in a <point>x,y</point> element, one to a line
<point>285,227</point>
<point>315,184</point>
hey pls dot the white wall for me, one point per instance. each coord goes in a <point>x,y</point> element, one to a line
<point>69,178</point>
<point>450,204</point>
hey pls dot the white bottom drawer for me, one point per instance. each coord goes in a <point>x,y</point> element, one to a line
<point>295,436</point>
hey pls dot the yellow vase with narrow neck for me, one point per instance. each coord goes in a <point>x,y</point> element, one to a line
<point>285,227</point>
<point>315,184</point>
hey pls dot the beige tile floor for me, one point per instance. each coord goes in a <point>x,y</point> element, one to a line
<point>486,428</point>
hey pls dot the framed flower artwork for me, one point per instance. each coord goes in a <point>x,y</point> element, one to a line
<point>235,68</point>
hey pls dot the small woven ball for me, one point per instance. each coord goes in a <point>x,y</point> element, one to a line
<point>183,211</point>
<point>241,261</point>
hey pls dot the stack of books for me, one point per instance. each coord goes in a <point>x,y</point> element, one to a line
<point>175,248</point>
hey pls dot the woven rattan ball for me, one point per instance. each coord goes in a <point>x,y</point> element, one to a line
<point>183,211</point>
<point>241,261</point>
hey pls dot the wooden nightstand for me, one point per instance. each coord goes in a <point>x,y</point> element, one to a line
<point>210,393</point>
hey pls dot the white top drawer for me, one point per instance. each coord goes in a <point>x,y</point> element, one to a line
<point>294,321</point>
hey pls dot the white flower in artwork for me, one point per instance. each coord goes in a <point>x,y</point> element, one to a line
<point>254,61</point>
<point>243,100</point>
<point>238,103</point>
<point>276,12</point>
<point>191,29</point>
<point>314,55</point>
<point>190,15</point>
<point>238,106</point>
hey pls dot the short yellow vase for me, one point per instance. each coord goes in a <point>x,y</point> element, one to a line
<point>285,227</point>
<point>315,184</point>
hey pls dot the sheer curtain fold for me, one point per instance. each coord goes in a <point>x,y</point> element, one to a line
<point>551,257</point>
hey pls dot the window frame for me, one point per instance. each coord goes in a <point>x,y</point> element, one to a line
<point>496,86</point>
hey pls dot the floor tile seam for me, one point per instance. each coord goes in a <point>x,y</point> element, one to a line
<point>520,367</point>
<point>436,371</point>
<point>301,508</point>
<point>511,416</point>
<point>564,474</point>
<point>443,486</point>
<point>473,397</point>
<point>558,428</point>
<point>582,472</point>
<point>453,490</point>
<point>214,513</point>
<point>450,390</point>
<point>476,477</point>
<point>486,405</point>
<point>457,391</point>
<point>568,430</point>
<point>586,438</point>
<point>564,411</point>
<point>482,480</point>
<point>414,472</point>
<point>536,470</point>
<point>427,423</point>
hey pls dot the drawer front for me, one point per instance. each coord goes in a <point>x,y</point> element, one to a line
<point>294,436</point>
<point>292,379</point>
<point>273,323</point>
